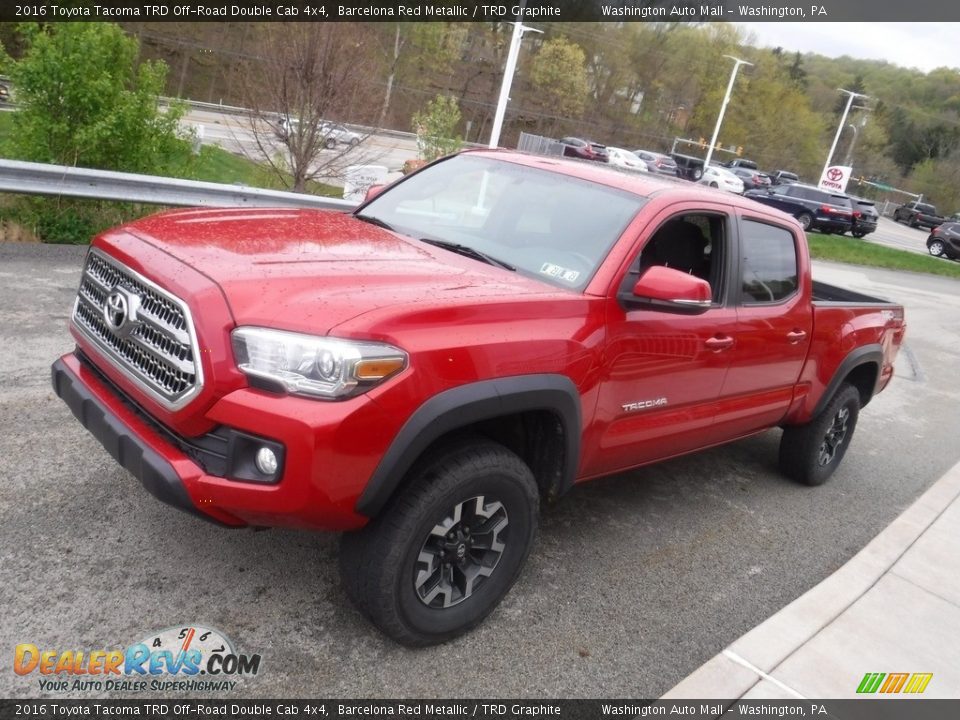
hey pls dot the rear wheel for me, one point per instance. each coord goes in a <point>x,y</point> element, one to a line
<point>858,234</point>
<point>330,143</point>
<point>936,248</point>
<point>805,220</point>
<point>811,453</point>
<point>447,549</point>
<point>696,173</point>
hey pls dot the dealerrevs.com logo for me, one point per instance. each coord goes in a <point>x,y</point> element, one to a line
<point>183,658</point>
<point>889,683</point>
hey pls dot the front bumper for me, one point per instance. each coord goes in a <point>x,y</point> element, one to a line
<point>330,452</point>
<point>153,471</point>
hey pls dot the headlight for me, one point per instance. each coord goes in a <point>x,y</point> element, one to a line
<point>317,367</point>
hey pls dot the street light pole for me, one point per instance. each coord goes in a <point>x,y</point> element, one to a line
<point>518,30</point>
<point>843,121</point>
<point>737,62</point>
<point>848,159</point>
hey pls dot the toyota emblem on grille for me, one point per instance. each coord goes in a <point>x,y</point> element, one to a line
<point>120,311</point>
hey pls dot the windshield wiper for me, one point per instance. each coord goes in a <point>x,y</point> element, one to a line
<point>374,221</point>
<point>469,252</point>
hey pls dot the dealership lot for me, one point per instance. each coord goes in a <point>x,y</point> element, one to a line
<point>634,582</point>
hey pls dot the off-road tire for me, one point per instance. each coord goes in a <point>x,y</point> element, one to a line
<point>379,564</point>
<point>807,453</point>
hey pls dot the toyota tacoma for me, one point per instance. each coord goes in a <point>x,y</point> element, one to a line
<point>474,340</point>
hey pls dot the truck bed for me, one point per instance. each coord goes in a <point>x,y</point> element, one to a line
<point>825,294</point>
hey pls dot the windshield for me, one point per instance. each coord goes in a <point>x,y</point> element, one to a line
<point>546,225</point>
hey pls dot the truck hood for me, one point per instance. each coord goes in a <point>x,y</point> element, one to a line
<point>310,270</point>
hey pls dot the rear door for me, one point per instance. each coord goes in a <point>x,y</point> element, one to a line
<point>774,327</point>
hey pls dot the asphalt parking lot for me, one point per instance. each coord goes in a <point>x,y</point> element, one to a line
<point>635,580</point>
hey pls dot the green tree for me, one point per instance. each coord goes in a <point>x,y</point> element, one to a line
<point>85,101</point>
<point>559,74</point>
<point>436,128</point>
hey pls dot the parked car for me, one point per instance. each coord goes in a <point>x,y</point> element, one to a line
<point>688,166</point>
<point>741,163</point>
<point>918,214</point>
<point>657,162</point>
<point>4,93</point>
<point>722,178</point>
<point>814,209</point>
<point>419,373</point>
<point>625,159</point>
<point>584,149</point>
<point>944,240</point>
<point>784,177</point>
<point>752,179</point>
<point>865,217</point>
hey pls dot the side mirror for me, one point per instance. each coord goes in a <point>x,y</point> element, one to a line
<point>668,290</point>
<point>373,191</point>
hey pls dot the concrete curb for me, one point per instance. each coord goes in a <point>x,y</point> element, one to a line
<point>750,659</point>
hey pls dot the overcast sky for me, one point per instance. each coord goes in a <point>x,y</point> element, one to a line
<point>919,45</point>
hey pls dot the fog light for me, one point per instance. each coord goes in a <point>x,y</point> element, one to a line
<point>266,461</point>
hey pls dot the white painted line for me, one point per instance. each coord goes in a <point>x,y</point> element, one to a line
<point>753,668</point>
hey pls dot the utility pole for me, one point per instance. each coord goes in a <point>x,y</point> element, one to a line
<point>737,62</point>
<point>843,121</point>
<point>508,71</point>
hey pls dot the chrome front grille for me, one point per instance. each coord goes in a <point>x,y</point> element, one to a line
<point>141,329</point>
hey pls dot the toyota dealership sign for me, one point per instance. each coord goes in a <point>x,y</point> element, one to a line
<point>835,178</point>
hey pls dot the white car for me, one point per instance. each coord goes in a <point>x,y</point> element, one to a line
<point>330,133</point>
<point>625,159</point>
<point>719,177</point>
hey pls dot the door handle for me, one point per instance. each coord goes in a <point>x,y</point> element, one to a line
<point>719,343</point>
<point>796,336</point>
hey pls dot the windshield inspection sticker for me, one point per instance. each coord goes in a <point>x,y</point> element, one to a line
<point>561,273</point>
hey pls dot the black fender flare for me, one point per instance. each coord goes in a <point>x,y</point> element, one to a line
<point>866,355</point>
<point>464,405</point>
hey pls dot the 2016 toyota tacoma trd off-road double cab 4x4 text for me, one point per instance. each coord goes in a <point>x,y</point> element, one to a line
<point>482,335</point>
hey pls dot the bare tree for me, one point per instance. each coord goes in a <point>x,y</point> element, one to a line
<point>305,77</point>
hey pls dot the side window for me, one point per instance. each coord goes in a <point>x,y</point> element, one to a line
<point>769,263</point>
<point>693,243</point>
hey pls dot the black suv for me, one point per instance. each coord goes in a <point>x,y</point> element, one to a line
<point>814,209</point>
<point>865,217</point>
<point>944,240</point>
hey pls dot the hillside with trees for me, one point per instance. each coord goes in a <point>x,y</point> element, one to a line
<point>628,84</point>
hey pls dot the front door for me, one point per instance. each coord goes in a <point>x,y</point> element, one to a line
<point>664,371</point>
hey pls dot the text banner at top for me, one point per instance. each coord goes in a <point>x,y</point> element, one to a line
<point>487,11</point>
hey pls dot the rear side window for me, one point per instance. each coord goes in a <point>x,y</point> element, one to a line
<point>769,263</point>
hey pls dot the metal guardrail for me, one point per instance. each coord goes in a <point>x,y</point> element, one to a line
<point>38,179</point>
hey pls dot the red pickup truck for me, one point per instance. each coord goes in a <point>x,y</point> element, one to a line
<point>480,336</point>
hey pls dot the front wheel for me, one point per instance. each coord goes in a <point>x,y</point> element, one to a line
<point>447,549</point>
<point>811,453</point>
<point>696,173</point>
<point>805,220</point>
<point>936,248</point>
<point>858,234</point>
